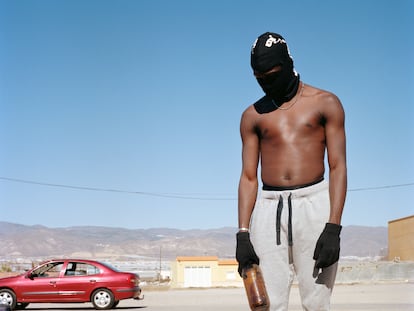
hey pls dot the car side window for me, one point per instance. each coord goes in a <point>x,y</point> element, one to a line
<point>49,270</point>
<point>80,268</point>
<point>92,270</point>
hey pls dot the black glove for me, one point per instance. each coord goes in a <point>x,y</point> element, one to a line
<point>245,254</point>
<point>327,248</point>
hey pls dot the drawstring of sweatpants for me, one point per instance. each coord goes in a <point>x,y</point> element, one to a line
<point>279,215</point>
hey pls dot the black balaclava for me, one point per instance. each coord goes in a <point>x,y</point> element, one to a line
<point>268,51</point>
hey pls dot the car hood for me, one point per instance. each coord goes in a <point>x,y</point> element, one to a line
<point>10,278</point>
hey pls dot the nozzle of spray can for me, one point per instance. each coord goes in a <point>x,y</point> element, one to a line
<point>255,288</point>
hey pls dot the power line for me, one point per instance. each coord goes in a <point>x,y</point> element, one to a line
<point>154,194</point>
<point>382,187</point>
<point>173,196</point>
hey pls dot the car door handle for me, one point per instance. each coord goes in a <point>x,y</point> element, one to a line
<point>53,282</point>
<point>92,281</point>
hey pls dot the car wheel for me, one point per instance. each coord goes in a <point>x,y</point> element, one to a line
<point>8,297</point>
<point>102,299</point>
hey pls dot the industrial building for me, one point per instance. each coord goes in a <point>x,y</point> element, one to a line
<point>204,271</point>
<point>401,239</point>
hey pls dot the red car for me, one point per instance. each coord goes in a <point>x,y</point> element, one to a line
<point>70,280</point>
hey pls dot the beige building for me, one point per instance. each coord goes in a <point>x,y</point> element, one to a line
<point>401,239</point>
<point>204,271</point>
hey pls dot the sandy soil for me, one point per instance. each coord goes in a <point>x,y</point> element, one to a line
<point>358,297</point>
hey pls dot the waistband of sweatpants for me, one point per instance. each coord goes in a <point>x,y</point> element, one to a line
<point>296,193</point>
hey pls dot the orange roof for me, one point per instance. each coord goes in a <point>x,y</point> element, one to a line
<point>197,258</point>
<point>228,262</point>
<point>400,219</point>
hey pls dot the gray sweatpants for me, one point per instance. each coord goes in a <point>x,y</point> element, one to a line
<point>289,252</point>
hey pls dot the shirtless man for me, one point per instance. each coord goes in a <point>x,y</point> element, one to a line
<point>293,226</point>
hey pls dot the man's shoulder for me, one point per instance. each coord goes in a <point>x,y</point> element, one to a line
<point>313,91</point>
<point>326,101</point>
<point>261,106</point>
<point>264,105</point>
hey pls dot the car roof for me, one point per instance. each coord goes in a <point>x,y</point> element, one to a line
<point>91,261</point>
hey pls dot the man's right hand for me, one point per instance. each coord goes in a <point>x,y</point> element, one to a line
<point>245,254</point>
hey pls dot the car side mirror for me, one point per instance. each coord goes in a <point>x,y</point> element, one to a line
<point>31,275</point>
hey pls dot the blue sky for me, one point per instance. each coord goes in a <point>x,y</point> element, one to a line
<point>126,113</point>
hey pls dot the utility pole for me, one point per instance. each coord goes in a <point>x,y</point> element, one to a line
<point>159,274</point>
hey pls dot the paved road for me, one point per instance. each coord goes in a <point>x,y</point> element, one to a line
<point>360,297</point>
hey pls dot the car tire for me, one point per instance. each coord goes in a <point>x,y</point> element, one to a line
<point>102,299</point>
<point>8,297</point>
<point>115,304</point>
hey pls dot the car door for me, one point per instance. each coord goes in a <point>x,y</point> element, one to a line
<point>41,284</point>
<point>78,281</point>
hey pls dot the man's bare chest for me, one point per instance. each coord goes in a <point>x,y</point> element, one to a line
<point>283,126</point>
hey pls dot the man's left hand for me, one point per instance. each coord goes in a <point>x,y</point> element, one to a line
<point>328,246</point>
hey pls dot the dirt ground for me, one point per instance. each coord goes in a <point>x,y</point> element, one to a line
<point>378,297</point>
<point>358,297</point>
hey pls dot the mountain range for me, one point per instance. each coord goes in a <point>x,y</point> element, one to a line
<point>37,241</point>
